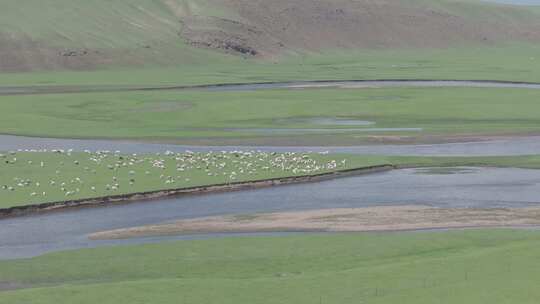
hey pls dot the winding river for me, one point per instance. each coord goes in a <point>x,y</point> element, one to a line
<point>525,145</point>
<point>471,187</point>
<point>346,84</point>
<point>504,146</point>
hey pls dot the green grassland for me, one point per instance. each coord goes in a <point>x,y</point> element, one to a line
<point>474,266</point>
<point>242,117</point>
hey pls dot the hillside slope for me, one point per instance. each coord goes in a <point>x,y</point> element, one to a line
<point>81,35</point>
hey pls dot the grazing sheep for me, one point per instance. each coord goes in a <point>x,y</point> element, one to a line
<point>168,168</point>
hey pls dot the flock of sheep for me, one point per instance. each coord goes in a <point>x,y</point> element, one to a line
<point>110,172</point>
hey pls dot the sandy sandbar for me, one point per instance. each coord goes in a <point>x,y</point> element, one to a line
<point>391,218</point>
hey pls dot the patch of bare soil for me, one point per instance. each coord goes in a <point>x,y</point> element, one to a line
<point>392,218</point>
<point>264,28</point>
<point>226,35</point>
<point>20,53</point>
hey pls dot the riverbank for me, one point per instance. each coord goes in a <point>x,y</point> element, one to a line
<point>252,86</point>
<point>159,194</point>
<point>510,146</point>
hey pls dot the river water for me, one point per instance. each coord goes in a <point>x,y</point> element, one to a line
<point>472,187</point>
<point>357,84</point>
<point>504,147</point>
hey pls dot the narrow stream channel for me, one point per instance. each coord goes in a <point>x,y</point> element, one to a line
<point>527,145</point>
<point>468,187</point>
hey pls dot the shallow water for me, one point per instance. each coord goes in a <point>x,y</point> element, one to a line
<point>445,170</point>
<point>472,187</point>
<point>300,131</point>
<point>324,121</point>
<point>329,121</point>
<point>504,147</point>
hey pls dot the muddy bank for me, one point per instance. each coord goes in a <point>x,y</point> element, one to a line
<point>383,218</point>
<point>158,194</point>
<point>5,286</point>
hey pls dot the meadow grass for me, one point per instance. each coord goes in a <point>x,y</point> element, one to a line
<point>474,266</point>
<point>191,116</point>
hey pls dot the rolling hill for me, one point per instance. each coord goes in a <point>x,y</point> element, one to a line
<point>85,35</point>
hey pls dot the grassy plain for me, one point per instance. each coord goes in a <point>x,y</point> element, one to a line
<point>474,266</point>
<point>252,116</point>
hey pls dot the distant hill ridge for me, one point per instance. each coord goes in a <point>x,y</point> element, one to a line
<point>82,34</point>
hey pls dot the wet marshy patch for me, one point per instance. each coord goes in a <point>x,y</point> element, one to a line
<point>162,106</point>
<point>7,285</point>
<point>324,121</point>
<point>446,171</point>
<point>312,125</point>
<point>298,131</point>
